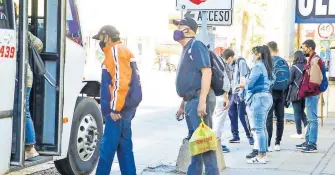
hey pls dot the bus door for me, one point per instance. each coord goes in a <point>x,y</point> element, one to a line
<point>46,21</point>
<point>8,66</point>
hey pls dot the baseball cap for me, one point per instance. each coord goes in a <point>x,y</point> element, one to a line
<point>109,30</point>
<point>187,22</point>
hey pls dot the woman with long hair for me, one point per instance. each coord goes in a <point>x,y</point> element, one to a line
<point>259,100</point>
<point>296,75</point>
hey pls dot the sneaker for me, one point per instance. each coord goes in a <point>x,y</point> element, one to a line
<point>234,140</point>
<point>297,136</point>
<point>266,159</point>
<point>253,154</point>
<point>225,149</point>
<point>277,147</point>
<point>257,160</point>
<point>310,149</point>
<point>301,146</point>
<point>270,149</point>
<point>30,154</point>
<point>251,141</point>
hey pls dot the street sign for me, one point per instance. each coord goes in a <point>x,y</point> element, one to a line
<point>193,5</point>
<point>214,17</point>
<point>315,11</point>
<point>325,30</point>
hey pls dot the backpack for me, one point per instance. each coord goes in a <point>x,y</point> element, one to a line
<point>220,81</point>
<point>324,82</point>
<point>282,73</point>
<point>314,80</point>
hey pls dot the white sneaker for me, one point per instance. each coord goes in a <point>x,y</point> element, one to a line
<point>297,136</point>
<point>277,148</point>
<point>257,160</point>
<point>270,149</point>
<point>266,159</point>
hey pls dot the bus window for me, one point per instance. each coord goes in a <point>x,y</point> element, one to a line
<point>6,15</point>
<point>73,31</point>
<point>36,19</point>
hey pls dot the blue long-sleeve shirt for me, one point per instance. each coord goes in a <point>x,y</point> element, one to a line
<point>258,80</point>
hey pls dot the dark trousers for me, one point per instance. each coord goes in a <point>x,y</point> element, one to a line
<point>299,114</point>
<point>237,110</point>
<point>278,109</point>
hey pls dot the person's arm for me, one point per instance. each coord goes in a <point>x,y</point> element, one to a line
<point>205,83</point>
<point>226,101</point>
<point>243,73</point>
<point>201,57</point>
<point>253,77</point>
<point>200,54</point>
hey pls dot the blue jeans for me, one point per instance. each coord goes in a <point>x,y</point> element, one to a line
<point>299,114</point>
<point>30,130</point>
<point>117,138</point>
<point>193,121</point>
<point>312,117</point>
<point>237,110</point>
<point>259,107</point>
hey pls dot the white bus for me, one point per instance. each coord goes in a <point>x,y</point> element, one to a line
<point>68,122</point>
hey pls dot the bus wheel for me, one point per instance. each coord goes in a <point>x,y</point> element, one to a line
<point>86,132</point>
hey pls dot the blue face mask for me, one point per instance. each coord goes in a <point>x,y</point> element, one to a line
<point>178,35</point>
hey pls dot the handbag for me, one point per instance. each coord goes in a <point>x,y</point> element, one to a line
<point>37,65</point>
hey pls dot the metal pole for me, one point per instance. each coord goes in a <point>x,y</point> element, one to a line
<point>203,34</point>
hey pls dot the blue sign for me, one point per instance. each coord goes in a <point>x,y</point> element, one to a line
<point>315,11</point>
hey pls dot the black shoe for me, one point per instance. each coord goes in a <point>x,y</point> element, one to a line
<point>301,146</point>
<point>235,140</point>
<point>310,149</point>
<point>251,141</point>
<point>253,154</point>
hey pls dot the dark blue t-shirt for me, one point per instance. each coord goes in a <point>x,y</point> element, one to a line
<point>189,70</point>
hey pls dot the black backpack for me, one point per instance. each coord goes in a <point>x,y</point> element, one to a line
<point>220,78</point>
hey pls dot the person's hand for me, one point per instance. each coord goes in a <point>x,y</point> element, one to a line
<point>180,114</point>
<point>115,117</point>
<point>226,105</point>
<point>202,109</point>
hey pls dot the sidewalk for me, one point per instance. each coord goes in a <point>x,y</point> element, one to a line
<point>289,161</point>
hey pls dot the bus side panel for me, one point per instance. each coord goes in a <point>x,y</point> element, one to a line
<point>7,79</point>
<point>7,68</point>
<point>73,75</point>
<point>6,125</point>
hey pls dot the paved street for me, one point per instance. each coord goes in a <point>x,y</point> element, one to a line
<point>158,137</point>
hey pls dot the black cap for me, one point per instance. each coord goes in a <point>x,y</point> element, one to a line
<point>109,30</point>
<point>187,22</point>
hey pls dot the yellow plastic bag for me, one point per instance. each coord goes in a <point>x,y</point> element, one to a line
<point>202,140</point>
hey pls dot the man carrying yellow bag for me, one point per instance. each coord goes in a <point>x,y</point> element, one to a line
<point>193,84</point>
<point>203,140</point>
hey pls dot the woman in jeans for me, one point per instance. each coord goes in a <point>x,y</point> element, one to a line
<point>259,99</point>
<point>30,151</point>
<point>296,75</point>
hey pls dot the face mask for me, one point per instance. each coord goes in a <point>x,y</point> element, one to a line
<point>178,35</point>
<point>102,44</point>
<point>305,53</point>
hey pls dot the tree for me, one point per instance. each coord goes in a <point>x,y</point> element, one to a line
<point>250,12</point>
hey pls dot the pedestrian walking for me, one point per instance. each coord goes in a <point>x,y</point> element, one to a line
<point>314,82</point>
<point>193,84</point>
<point>281,71</point>
<point>120,95</point>
<point>240,71</point>
<point>259,100</point>
<point>296,75</point>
